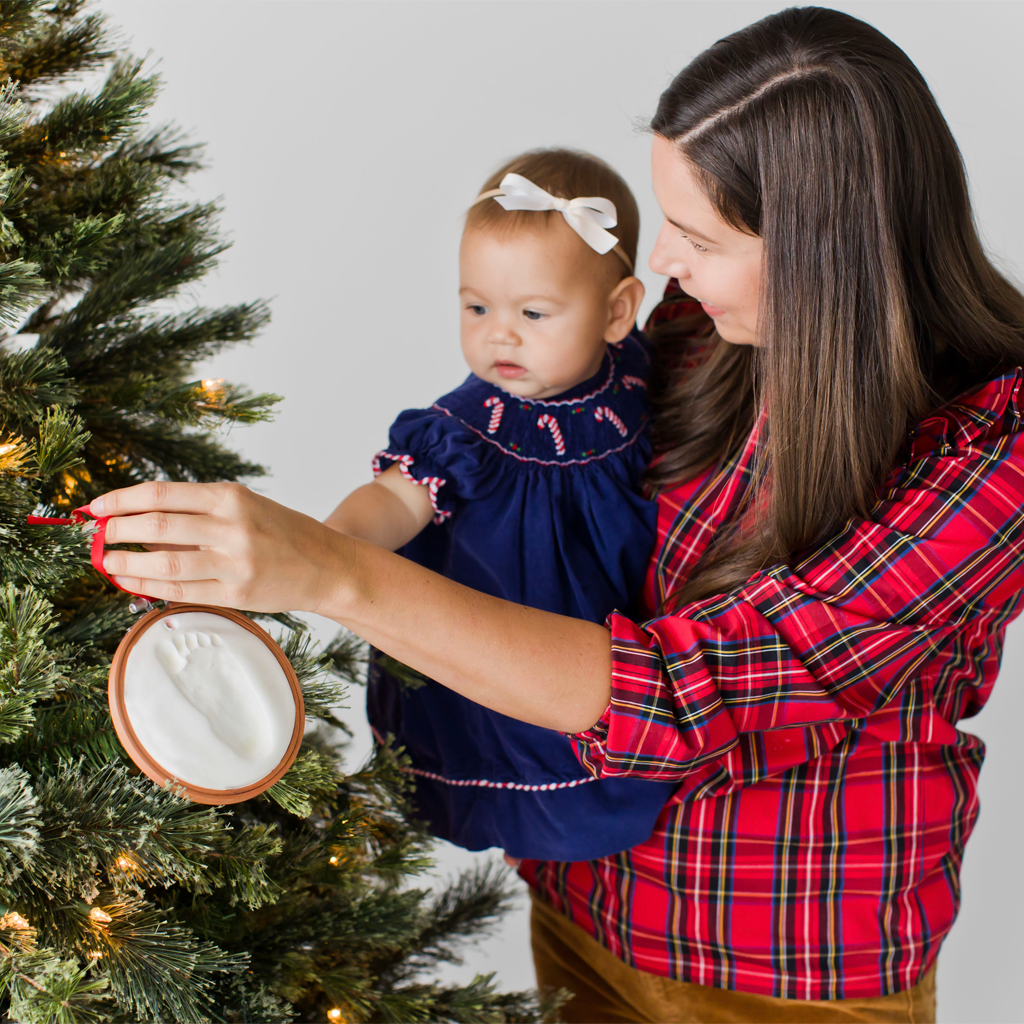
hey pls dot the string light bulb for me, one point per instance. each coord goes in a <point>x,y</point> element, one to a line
<point>125,863</point>
<point>100,916</point>
<point>15,452</point>
<point>211,393</point>
<point>14,922</point>
<point>70,483</point>
<point>334,1015</point>
<point>334,859</point>
<point>95,955</point>
<point>213,389</point>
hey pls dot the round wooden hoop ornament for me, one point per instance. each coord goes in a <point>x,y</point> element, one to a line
<point>141,756</point>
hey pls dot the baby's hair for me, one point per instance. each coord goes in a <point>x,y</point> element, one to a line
<point>566,173</point>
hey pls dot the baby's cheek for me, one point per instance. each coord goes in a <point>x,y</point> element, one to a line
<point>474,356</point>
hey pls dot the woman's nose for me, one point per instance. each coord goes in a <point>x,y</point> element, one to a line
<point>664,258</point>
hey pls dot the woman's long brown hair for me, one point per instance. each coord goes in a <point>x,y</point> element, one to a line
<point>814,131</point>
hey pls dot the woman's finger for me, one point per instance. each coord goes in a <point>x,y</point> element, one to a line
<point>161,495</point>
<point>164,528</point>
<point>193,592</point>
<point>180,566</point>
<point>262,555</point>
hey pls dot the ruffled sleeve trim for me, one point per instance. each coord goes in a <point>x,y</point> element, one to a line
<point>591,745</point>
<point>432,483</point>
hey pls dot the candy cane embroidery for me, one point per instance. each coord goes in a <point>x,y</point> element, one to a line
<point>556,433</point>
<point>497,407</point>
<point>604,413</point>
<point>634,382</point>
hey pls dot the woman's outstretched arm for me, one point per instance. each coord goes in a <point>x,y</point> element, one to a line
<point>222,544</point>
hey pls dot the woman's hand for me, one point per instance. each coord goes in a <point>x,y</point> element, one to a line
<point>220,544</point>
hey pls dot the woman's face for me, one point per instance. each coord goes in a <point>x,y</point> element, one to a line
<point>713,261</point>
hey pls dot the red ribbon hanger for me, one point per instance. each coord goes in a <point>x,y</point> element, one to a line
<point>79,516</point>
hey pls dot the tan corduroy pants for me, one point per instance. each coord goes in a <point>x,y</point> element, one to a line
<point>608,991</point>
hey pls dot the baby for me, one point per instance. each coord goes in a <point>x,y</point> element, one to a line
<point>530,475</point>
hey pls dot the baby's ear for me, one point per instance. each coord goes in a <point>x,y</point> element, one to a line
<point>623,307</point>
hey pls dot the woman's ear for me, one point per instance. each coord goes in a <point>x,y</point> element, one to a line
<point>623,306</point>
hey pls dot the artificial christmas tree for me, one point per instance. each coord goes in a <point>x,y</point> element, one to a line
<point>121,900</point>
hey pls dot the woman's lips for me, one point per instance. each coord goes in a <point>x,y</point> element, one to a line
<point>712,311</point>
<point>510,370</point>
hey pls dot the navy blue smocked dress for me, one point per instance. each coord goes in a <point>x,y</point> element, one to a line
<point>537,502</point>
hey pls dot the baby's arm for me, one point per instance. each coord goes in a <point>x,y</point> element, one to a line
<point>389,512</point>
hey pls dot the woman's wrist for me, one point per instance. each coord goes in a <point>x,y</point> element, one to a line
<point>337,576</point>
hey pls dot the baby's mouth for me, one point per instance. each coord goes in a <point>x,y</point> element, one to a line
<point>509,370</point>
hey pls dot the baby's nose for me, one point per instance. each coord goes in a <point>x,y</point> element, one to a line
<point>502,335</point>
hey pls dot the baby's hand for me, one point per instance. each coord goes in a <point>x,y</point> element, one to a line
<point>512,862</point>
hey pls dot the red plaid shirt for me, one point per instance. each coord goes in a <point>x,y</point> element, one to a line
<point>813,848</point>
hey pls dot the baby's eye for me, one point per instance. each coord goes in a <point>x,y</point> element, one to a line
<point>477,309</point>
<point>699,248</point>
<point>533,314</point>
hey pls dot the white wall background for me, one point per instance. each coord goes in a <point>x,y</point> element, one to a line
<point>346,139</point>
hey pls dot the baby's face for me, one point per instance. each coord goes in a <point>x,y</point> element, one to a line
<point>535,308</point>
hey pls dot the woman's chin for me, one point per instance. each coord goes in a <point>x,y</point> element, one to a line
<point>735,335</point>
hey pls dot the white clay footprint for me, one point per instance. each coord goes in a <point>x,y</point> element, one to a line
<point>213,682</point>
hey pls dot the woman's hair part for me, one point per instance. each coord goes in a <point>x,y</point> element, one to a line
<point>567,174</point>
<point>814,131</point>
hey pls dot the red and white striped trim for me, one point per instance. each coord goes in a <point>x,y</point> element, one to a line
<point>497,407</point>
<point>432,483</point>
<point>488,784</point>
<point>634,382</point>
<point>602,412</point>
<point>551,423</point>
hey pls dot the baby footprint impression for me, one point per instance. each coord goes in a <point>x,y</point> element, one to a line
<point>211,679</point>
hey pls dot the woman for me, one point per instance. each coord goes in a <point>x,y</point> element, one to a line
<point>840,485</point>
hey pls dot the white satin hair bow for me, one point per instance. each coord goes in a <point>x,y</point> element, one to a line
<point>587,216</point>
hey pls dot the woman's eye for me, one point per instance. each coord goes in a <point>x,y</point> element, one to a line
<point>699,248</point>
<point>477,309</point>
<point>533,314</point>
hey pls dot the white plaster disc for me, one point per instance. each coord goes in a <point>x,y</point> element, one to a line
<point>207,699</point>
